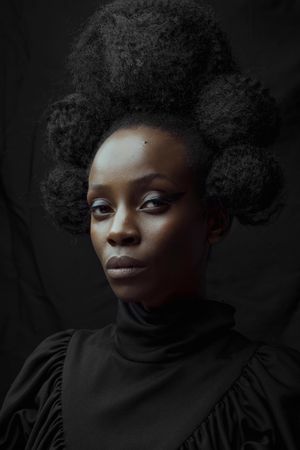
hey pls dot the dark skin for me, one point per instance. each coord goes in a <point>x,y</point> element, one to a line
<point>159,220</point>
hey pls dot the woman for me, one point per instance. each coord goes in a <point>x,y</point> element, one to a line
<point>161,145</point>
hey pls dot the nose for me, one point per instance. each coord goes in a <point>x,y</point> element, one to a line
<point>123,230</point>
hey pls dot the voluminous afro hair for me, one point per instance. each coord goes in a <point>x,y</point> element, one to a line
<point>164,58</point>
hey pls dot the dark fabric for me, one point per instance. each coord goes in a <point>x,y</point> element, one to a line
<point>261,410</point>
<point>51,281</point>
<point>31,417</point>
<point>148,383</point>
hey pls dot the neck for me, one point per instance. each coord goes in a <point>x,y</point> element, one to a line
<point>189,292</point>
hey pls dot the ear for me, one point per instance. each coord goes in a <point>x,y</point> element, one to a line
<point>218,222</point>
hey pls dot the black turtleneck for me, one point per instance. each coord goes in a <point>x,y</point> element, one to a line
<point>155,375</point>
<point>175,378</point>
<point>170,332</point>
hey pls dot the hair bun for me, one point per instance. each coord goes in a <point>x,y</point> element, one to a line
<point>163,56</point>
<point>248,181</point>
<point>233,109</point>
<point>74,127</point>
<point>155,53</point>
<point>64,199</point>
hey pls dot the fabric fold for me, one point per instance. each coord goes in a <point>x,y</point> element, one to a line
<point>211,391</point>
<point>175,330</point>
<point>261,410</point>
<point>31,416</point>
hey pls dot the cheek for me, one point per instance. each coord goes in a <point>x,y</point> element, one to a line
<point>178,241</point>
<point>97,239</point>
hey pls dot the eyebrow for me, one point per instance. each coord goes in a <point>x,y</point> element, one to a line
<point>141,180</point>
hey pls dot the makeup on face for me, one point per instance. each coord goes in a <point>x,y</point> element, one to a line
<point>146,226</point>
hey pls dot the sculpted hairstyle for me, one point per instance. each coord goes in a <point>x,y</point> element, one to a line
<point>164,63</point>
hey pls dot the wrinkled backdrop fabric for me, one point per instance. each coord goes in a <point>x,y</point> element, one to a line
<point>50,280</point>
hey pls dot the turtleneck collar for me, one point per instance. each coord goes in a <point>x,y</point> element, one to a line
<point>171,331</point>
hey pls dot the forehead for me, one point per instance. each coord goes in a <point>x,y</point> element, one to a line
<point>129,152</point>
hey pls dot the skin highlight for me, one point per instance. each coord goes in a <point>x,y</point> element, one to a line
<point>144,205</point>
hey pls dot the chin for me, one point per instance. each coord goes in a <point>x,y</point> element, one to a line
<point>129,294</point>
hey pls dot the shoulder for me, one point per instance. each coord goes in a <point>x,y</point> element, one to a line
<point>46,359</point>
<point>274,355</point>
<point>262,406</point>
<point>278,366</point>
<point>32,406</point>
<point>32,410</point>
<point>52,348</point>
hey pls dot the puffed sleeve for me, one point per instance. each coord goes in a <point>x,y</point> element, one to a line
<point>31,415</point>
<point>261,410</point>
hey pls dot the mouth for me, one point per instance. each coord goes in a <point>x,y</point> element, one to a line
<point>125,272</point>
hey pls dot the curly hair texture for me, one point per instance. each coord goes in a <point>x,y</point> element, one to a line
<point>64,195</point>
<point>151,53</point>
<point>166,64</point>
<point>74,126</point>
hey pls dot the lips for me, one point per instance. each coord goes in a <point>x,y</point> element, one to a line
<point>124,267</point>
<point>120,262</point>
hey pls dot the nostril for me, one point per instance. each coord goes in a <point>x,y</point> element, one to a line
<point>123,240</point>
<point>129,240</point>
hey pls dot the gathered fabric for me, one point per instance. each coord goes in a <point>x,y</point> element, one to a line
<point>174,378</point>
<point>31,417</point>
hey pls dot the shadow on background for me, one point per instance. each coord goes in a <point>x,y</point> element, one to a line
<point>51,281</point>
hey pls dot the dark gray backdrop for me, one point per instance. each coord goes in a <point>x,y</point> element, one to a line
<point>51,281</point>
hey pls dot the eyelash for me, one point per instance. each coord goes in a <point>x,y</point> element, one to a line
<point>165,201</point>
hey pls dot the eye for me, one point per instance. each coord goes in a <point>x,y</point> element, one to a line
<point>98,209</point>
<point>162,202</point>
<point>157,202</point>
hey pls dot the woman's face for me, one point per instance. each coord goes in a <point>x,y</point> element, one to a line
<point>143,205</point>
